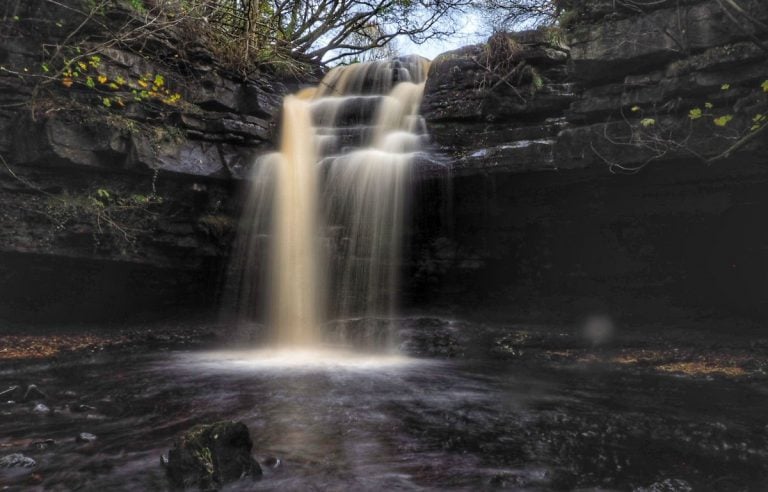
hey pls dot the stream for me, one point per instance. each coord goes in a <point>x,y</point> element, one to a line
<point>388,423</point>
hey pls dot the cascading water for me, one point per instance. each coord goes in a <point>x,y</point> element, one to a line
<point>328,208</point>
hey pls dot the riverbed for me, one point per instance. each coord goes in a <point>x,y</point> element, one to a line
<point>530,413</point>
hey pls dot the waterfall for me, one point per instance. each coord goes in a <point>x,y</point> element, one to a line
<point>322,231</point>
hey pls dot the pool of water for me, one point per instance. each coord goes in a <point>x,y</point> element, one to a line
<point>358,422</point>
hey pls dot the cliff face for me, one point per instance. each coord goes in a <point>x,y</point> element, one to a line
<point>615,165</point>
<point>116,189</point>
<point>610,165</point>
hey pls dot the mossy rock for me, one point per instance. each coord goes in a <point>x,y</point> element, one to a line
<point>209,456</point>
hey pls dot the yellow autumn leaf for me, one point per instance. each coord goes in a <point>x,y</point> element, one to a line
<point>723,120</point>
<point>82,65</point>
<point>102,79</point>
<point>66,82</point>
<point>143,84</point>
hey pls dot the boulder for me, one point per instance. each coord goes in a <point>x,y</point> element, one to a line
<point>209,456</point>
<point>17,460</point>
<point>41,409</point>
<point>85,437</point>
<point>33,393</point>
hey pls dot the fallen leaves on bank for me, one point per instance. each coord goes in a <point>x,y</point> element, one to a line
<point>690,362</point>
<point>13,347</point>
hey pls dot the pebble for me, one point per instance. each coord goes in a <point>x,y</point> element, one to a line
<point>34,393</point>
<point>17,460</point>
<point>85,437</point>
<point>272,462</point>
<point>41,409</point>
<point>41,445</point>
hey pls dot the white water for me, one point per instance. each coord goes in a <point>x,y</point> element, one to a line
<point>325,215</point>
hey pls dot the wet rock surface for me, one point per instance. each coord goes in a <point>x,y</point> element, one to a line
<point>17,460</point>
<point>122,204</point>
<point>209,456</point>
<point>560,197</point>
<point>33,393</point>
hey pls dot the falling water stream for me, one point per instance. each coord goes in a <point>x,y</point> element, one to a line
<point>328,208</point>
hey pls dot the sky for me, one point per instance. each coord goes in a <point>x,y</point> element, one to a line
<point>466,35</point>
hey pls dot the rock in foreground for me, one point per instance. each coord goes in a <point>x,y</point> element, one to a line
<point>208,456</point>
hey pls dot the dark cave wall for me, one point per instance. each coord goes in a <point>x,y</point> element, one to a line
<point>543,226</point>
<point>552,244</point>
<point>62,149</point>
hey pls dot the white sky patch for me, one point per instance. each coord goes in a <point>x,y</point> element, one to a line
<point>469,33</point>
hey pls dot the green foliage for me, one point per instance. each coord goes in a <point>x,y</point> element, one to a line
<point>556,36</point>
<point>695,113</point>
<point>147,87</point>
<point>537,82</point>
<point>111,215</point>
<point>723,120</point>
<point>205,459</point>
<point>728,121</point>
<point>138,5</point>
<point>567,17</point>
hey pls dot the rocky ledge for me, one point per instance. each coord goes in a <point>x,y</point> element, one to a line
<point>118,149</point>
<point>614,164</point>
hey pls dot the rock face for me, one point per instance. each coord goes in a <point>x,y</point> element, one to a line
<point>118,178</point>
<point>597,168</point>
<point>611,165</point>
<point>209,456</point>
<point>499,105</point>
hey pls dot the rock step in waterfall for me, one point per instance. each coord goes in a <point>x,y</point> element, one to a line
<point>332,204</point>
